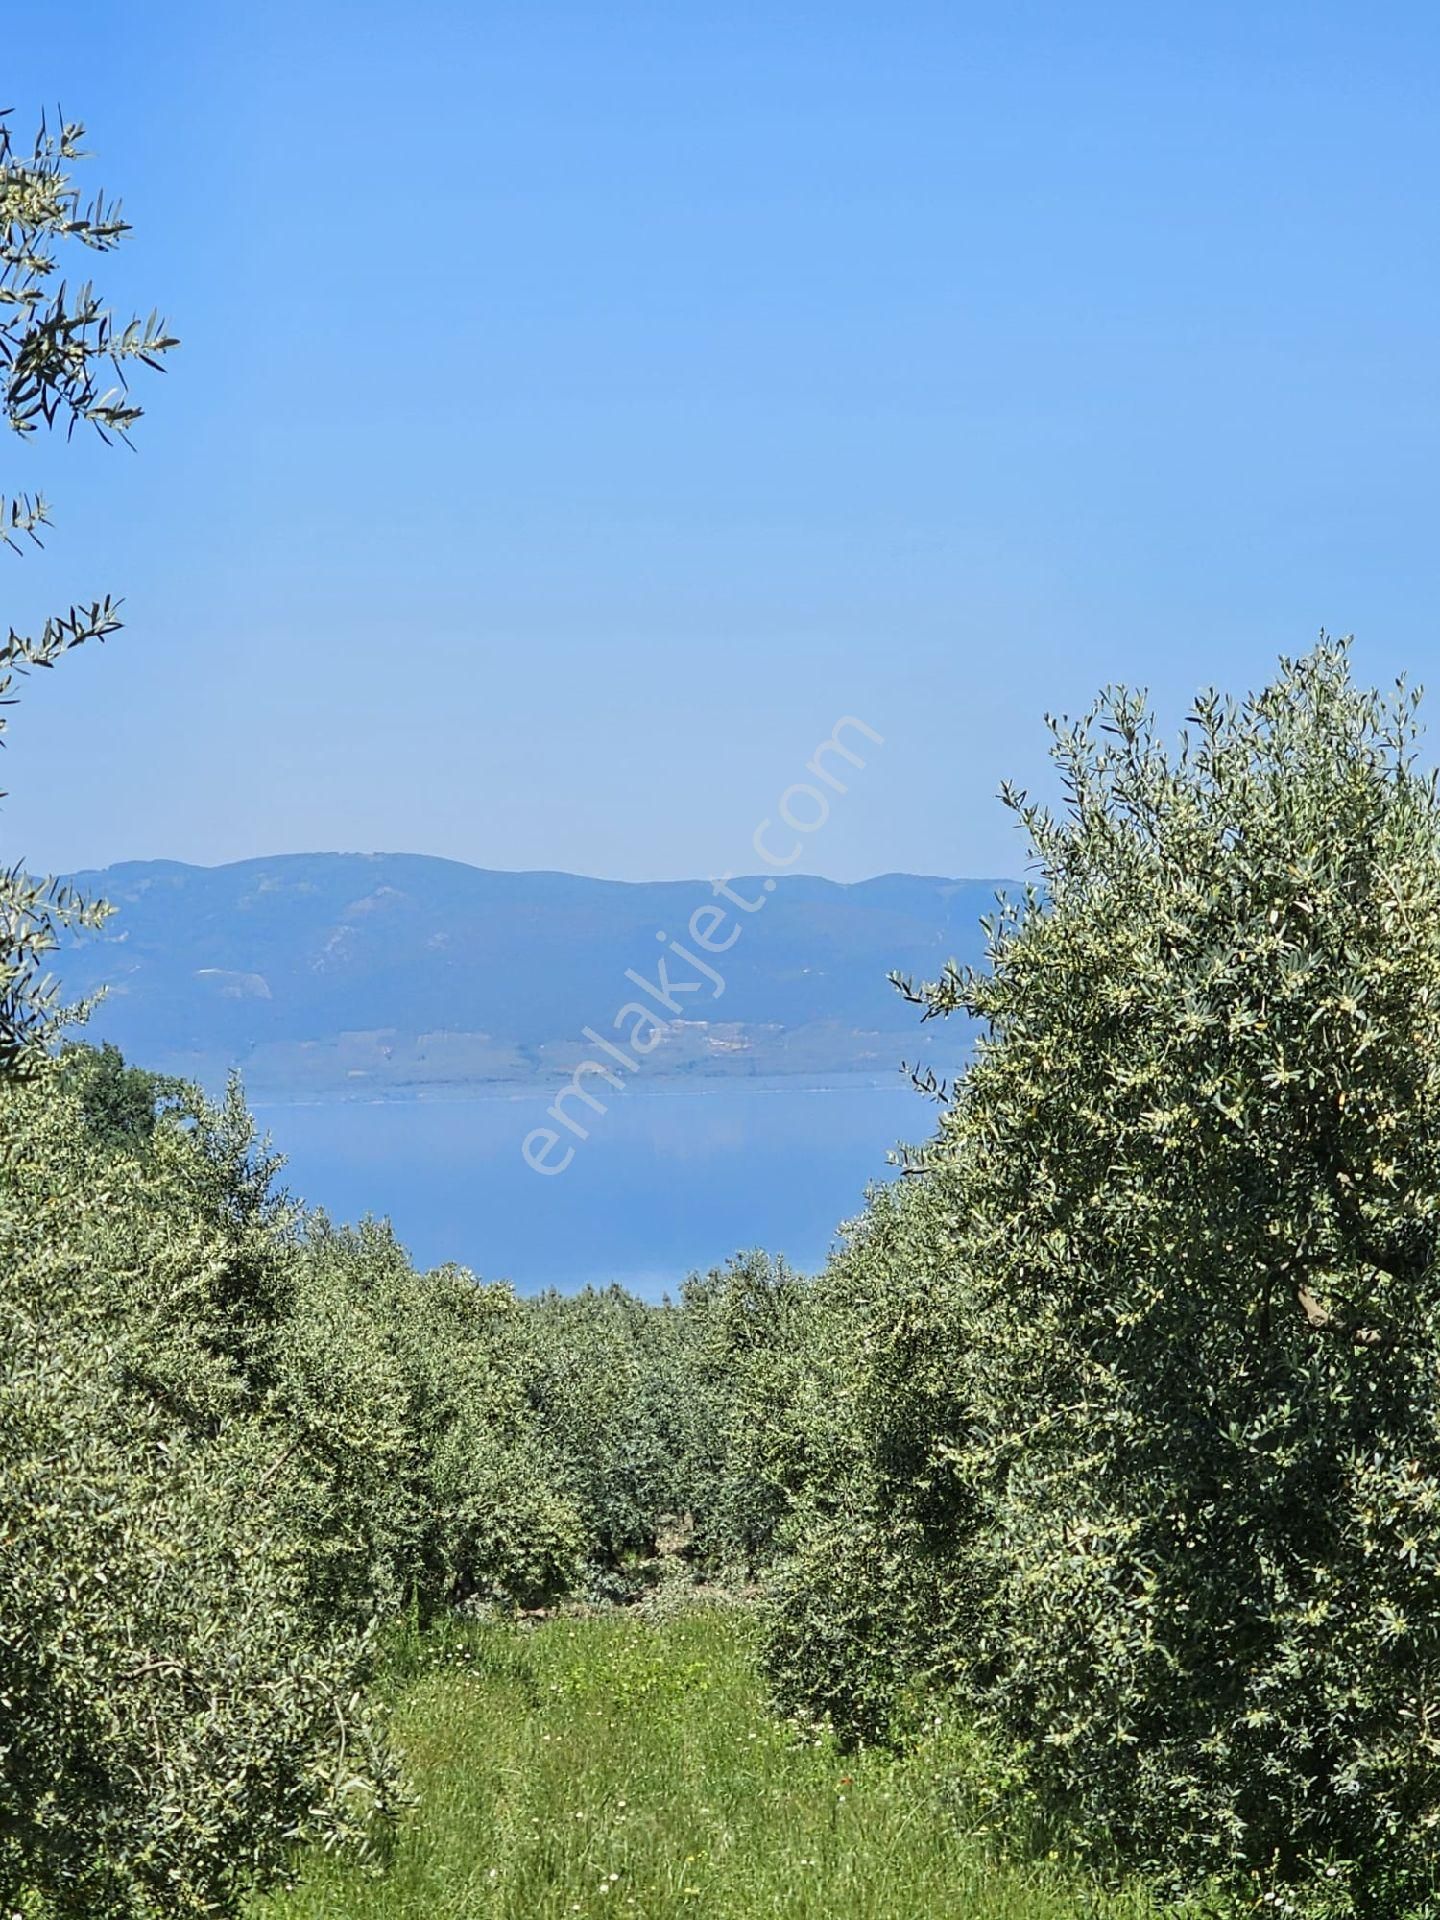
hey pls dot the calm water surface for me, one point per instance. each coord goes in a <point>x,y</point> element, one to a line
<point>670,1180</point>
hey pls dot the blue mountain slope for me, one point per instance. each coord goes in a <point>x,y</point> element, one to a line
<point>349,971</point>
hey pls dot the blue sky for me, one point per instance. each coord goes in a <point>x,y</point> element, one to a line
<point>581,407</point>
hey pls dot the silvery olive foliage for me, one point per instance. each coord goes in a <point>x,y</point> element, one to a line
<point>420,1476</point>
<point>175,1716</point>
<point>746,1416</point>
<point>1169,1310</point>
<point>870,1588</point>
<point>235,1442</point>
<point>603,1375</point>
<point>679,1425</point>
<point>64,362</point>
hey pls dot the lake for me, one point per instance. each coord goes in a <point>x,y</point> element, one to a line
<point>671,1179</point>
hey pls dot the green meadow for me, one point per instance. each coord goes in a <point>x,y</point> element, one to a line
<point>624,1764</point>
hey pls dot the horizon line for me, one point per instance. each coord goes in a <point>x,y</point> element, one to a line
<point>549,873</point>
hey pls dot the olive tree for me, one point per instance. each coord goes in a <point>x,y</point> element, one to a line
<point>1165,1281</point>
<point>417,1472</point>
<point>1196,1181</point>
<point>177,1714</point>
<point>63,363</point>
<point>869,1581</point>
<point>603,1377</point>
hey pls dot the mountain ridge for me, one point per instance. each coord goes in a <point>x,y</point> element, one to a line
<point>379,973</point>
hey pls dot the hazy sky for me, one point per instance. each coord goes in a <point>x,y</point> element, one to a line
<point>581,407</point>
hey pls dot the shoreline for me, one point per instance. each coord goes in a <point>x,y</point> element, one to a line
<point>517,1092</point>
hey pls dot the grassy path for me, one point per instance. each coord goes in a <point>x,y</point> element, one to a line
<point>613,1766</point>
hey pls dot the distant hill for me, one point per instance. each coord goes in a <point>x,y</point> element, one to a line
<point>386,973</point>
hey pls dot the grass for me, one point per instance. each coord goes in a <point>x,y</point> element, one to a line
<point>622,1766</point>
